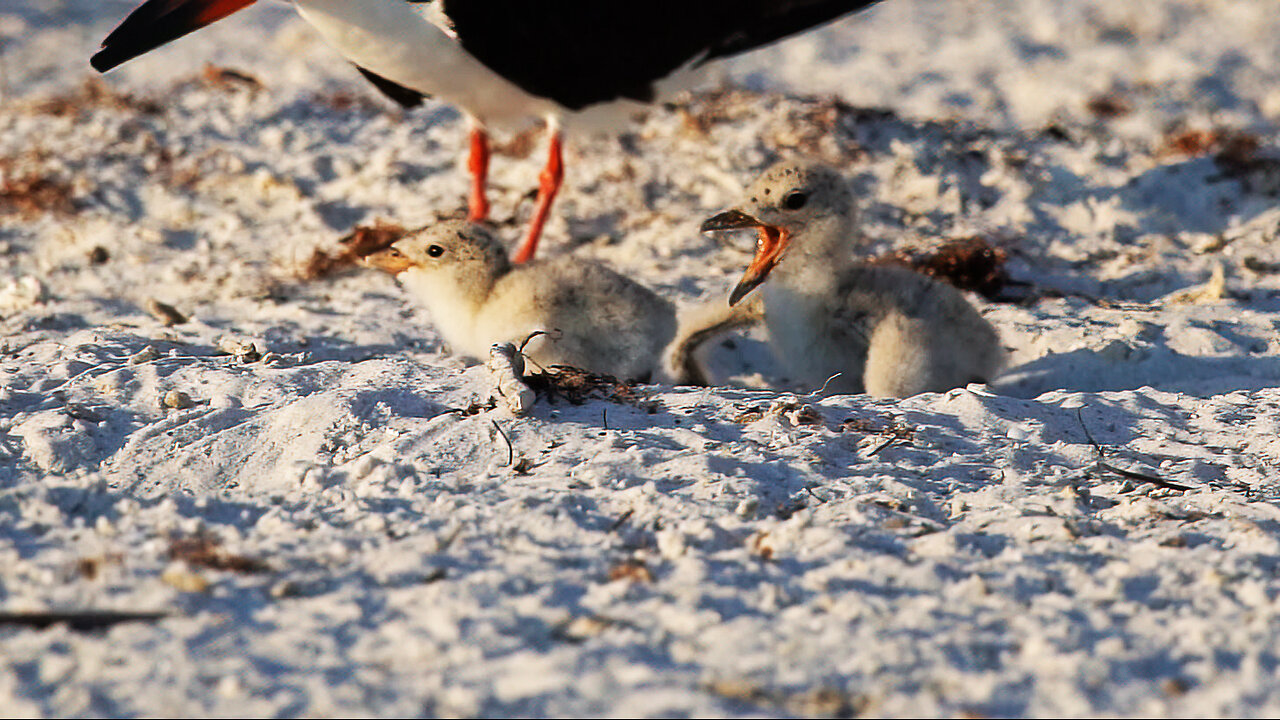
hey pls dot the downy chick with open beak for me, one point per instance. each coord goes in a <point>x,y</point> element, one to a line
<point>886,330</point>
<point>594,318</point>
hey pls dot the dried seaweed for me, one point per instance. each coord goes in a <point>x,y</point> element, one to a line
<point>91,567</point>
<point>1229,146</point>
<point>203,551</point>
<point>814,126</point>
<point>891,430</point>
<point>361,242</point>
<point>32,195</point>
<point>94,93</point>
<point>579,386</point>
<point>969,264</point>
<point>703,111</point>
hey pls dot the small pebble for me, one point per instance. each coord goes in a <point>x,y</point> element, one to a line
<point>145,355</point>
<point>245,352</point>
<point>795,412</point>
<point>165,313</point>
<point>177,400</point>
<point>285,589</point>
<point>179,577</point>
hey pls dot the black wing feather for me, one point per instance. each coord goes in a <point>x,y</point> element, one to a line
<point>403,96</point>
<point>155,23</point>
<point>582,52</point>
<point>778,20</point>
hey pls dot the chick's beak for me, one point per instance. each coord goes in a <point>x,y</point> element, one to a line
<point>729,220</point>
<point>389,260</point>
<point>769,246</point>
<point>771,242</point>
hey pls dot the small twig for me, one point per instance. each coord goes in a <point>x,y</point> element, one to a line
<point>541,368</point>
<point>1131,474</point>
<point>1154,480</point>
<point>86,620</point>
<point>604,417</point>
<point>888,441</point>
<point>533,335</point>
<point>897,433</point>
<point>1080,418</point>
<point>447,542</point>
<point>823,389</point>
<point>625,517</point>
<point>511,452</point>
<point>555,336</point>
<point>821,500</point>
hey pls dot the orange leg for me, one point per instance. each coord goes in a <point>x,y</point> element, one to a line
<point>548,185</point>
<point>478,164</point>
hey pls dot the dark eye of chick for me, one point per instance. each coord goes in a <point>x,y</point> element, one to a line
<point>435,251</point>
<point>795,200</point>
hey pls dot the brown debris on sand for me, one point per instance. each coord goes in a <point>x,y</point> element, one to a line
<point>578,386</point>
<point>94,93</point>
<point>165,313</point>
<point>32,195</point>
<point>1229,146</point>
<point>968,264</point>
<point>362,241</point>
<point>1109,106</point>
<point>202,551</point>
<point>217,77</point>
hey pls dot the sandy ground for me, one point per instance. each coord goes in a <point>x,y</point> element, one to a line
<point>345,526</point>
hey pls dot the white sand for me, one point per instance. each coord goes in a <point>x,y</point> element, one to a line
<point>982,562</point>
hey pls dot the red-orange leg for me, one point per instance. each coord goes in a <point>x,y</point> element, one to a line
<point>478,165</point>
<point>548,186</point>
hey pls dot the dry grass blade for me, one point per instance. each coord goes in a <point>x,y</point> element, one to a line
<point>511,451</point>
<point>1131,474</point>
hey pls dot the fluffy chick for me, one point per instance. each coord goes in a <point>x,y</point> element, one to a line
<point>886,330</point>
<point>592,317</point>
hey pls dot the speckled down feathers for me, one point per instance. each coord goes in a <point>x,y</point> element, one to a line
<point>851,327</point>
<point>562,311</point>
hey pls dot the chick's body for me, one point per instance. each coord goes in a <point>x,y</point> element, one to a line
<point>593,318</point>
<point>878,329</point>
<point>886,331</point>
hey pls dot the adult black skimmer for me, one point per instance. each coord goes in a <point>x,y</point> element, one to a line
<point>504,61</point>
<point>881,329</point>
